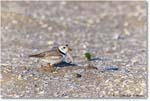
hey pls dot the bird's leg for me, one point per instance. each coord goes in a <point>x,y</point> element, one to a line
<point>51,67</point>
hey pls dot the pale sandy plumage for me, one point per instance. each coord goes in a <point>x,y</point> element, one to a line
<point>55,55</point>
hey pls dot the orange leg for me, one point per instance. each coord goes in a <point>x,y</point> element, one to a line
<point>51,67</point>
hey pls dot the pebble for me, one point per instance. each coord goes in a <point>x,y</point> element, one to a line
<point>126,32</point>
<point>78,75</point>
<point>50,42</point>
<point>20,77</point>
<point>14,21</point>
<point>44,25</point>
<point>50,28</point>
<point>126,24</point>
<point>41,92</point>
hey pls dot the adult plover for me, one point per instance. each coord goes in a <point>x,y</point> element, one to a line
<point>54,56</point>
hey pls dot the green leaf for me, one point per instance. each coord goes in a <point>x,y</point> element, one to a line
<point>88,56</point>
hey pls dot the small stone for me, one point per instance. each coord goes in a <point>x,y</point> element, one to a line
<point>6,27</point>
<point>116,36</point>
<point>20,77</point>
<point>14,21</point>
<point>84,46</point>
<point>126,32</point>
<point>64,95</point>
<point>90,21</point>
<point>35,85</point>
<point>63,3</point>
<point>126,24</point>
<point>50,28</point>
<point>50,42</point>
<point>61,18</point>
<point>78,75</point>
<point>43,17</point>
<point>44,25</point>
<point>36,78</point>
<point>41,92</point>
<point>107,81</point>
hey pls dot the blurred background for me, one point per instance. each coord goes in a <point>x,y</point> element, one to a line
<point>115,33</point>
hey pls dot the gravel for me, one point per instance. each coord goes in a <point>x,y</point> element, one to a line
<point>115,33</point>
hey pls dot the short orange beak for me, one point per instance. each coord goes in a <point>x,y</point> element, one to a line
<point>70,49</point>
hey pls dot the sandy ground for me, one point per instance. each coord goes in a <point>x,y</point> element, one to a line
<point>115,33</point>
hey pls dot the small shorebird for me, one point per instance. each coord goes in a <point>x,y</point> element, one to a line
<point>54,56</point>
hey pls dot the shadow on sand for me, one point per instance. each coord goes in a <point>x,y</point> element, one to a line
<point>64,64</point>
<point>100,59</point>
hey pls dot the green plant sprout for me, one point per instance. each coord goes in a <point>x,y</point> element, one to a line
<point>88,56</point>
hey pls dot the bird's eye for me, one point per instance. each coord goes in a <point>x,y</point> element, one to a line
<point>64,47</point>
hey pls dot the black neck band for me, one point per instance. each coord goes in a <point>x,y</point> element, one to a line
<point>61,52</point>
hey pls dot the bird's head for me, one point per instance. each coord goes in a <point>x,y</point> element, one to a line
<point>65,49</point>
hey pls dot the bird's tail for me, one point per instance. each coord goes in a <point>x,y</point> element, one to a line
<point>32,55</point>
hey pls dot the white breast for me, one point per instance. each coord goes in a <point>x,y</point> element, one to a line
<point>54,59</point>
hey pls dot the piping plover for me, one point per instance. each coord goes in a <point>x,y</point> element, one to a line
<point>54,56</point>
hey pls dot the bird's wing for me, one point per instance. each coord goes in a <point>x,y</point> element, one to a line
<point>40,55</point>
<point>50,53</point>
<point>53,53</point>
